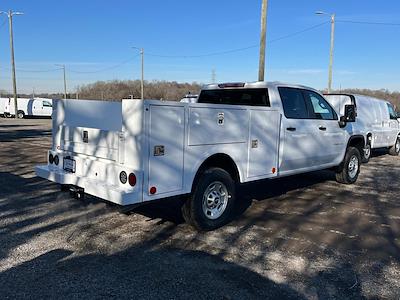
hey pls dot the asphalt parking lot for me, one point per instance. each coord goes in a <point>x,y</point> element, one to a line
<point>303,237</point>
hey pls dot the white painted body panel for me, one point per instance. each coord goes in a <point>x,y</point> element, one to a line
<point>3,102</point>
<point>128,135</point>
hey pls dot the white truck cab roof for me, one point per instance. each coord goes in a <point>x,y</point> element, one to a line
<point>254,85</point>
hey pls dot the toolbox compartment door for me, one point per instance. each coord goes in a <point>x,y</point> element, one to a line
<point>263,144</point>
<point>166,144</point>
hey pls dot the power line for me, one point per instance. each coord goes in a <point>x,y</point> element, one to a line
<point>368,23</point>
<point>32,71</point>
<point>105,69</point>
<point>239,49</point>
<point>204,55</point>
<point>298,32</point>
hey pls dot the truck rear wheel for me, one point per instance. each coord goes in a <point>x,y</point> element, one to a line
<point>211,204</point>
<point>349,169</point>
<point>395,149</point>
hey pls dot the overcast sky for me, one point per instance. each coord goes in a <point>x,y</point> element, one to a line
<point>186,40</point>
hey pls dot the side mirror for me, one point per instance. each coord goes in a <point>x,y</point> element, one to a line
<point>350,113</point>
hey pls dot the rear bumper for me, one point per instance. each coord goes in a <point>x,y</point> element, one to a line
<point>92,187</point>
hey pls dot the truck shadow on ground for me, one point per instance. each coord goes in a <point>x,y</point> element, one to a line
<point>13,135</point>
<point>169,210</point>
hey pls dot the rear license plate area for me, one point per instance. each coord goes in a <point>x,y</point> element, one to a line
<point>69,165</point>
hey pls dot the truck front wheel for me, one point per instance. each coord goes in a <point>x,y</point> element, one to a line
<point>349,169</point>
<point>395,149</point>
<point>211,204</point>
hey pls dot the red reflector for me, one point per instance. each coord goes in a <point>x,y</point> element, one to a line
<point>273,170</point>
<point>132,179</point>
<point>153,190</point>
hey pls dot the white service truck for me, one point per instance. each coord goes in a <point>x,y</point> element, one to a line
<point>35,107</point>
<point>134,151</point>
<point>376,121</point>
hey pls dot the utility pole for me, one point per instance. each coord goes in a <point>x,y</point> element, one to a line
<point>331,52</point>
<point>65,80</point>
<point>332,16</point>
<point>142,80</point>
<point>261,68</point>
<point>142,83</point>
<point>10,15</point>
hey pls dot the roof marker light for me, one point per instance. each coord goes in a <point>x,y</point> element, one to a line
<point>231,85</point>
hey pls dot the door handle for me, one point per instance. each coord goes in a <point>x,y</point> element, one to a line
<point>291,129</point>
<point>322,128</point>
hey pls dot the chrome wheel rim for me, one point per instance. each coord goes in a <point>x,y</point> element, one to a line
<point>398,145</point>
<point>353,166</point>
<point>215,200</point>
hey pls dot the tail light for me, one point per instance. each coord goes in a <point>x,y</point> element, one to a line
<point>51,158</point>
<point>56,160</point>
<point>132,179</point>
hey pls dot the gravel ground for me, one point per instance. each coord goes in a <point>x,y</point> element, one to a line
<point>299,237</point>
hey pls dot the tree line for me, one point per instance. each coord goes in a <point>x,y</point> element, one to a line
<point>115,90</point>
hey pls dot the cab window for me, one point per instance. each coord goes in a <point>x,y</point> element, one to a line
<point>319,107</point>
<point>392,112</point>
<point>293,103</point>
<point>47,104</point>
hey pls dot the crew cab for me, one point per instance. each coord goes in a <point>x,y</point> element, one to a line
<point>133,152</point>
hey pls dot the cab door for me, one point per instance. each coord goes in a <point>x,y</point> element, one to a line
<point>47,108</point>
<point>331,138</point>
<point>36,106</point>
<point>301,147</point>
<point>393,124</point>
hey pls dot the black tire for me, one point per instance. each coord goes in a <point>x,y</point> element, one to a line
<point>197,210</point>
<point>64,187</point>
<point>366,155</point>
<point>349,169</point>
<point>20,114</point>
<point>395,149</point>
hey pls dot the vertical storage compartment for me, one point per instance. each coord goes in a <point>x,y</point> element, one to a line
<point>166,143</point>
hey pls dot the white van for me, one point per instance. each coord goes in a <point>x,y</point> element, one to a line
<point>3,102</point>
<point>40,107</point>
<point>376,119</point>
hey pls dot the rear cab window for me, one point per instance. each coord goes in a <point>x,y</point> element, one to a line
<point>251,97</point>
